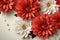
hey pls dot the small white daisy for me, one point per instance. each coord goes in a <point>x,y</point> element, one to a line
<point>49,6</point>
<point>23,28</point>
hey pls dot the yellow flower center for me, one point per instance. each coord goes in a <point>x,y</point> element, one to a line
<point>48,4</point>
<point>43,27</point>
<point>24,27</point>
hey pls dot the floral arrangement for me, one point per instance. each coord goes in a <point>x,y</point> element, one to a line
<point>34,17</point>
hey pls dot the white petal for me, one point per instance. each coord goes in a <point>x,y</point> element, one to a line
<point>54,10</point>
<point>29,28</point>
<point>26,35</point>
<point>23,35</point>
<point>21,31</point>
<point>57,9</point>
<point>28,32</point>
<point>44,9</point>
<point>47,12</point>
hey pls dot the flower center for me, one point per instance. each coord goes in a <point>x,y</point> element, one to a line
<point>24,27</point>
<point>28,9</point>
<point>44,27</point>
<point>48,4</point>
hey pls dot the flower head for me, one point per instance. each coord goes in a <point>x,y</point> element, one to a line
<point>58,3</point>
<point>28,9</point>
<point>44,26</point>
<point>56,16</point>
<point>6,5</point>
<point>23,28</point>
<point>49,6</point>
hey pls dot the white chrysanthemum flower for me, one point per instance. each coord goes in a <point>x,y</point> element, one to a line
<point>23,28</point>
<point>49,6</point>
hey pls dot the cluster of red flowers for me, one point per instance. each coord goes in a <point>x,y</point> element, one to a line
<point>43,25</point>
<point>26,9</point>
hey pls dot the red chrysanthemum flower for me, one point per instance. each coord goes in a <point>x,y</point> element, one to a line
<point>58,3</point>
<point>6,5</point>
<point>44,26</point>
<point>28,9</point>
<point>56,16</point>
